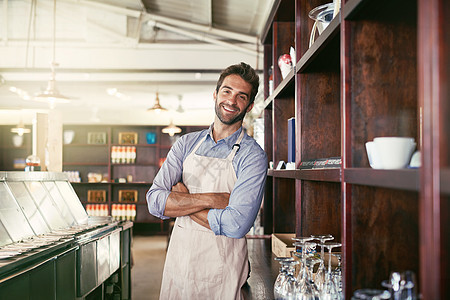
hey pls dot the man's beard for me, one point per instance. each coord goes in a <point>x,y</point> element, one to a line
<point>232,121</point>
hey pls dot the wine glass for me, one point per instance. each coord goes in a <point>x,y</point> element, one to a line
<point>329,290</point>
<point>337,274</point>
<point>300,242</point>
<point>288,287</point>
<point>320,274</point>
<point>281,275</point>
<point>306,289</point>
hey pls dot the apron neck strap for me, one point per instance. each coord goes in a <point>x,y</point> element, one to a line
<point>236,146</point>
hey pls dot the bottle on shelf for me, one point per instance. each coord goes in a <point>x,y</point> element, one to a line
<point>133,155</point>
<point>114,154</point>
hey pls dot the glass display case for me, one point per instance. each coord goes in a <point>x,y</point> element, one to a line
<point>48,239</point>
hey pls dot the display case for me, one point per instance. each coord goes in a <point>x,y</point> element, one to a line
<point>49,246</point>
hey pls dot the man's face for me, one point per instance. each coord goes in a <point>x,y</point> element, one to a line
<point>232,100</point>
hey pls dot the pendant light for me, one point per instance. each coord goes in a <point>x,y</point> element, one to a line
<point>20,129</point>
<point>156,107</point>
<point>51,95</point>
<point>171,129</point>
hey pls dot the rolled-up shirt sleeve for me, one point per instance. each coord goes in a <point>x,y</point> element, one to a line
<point>245,199</point>
<point>168,175</point>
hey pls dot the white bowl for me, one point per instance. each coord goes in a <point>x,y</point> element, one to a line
<point>68,136</point>
<point>394,152</point>
<point>372,155</point>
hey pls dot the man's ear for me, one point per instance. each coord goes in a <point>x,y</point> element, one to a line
<point>249,108</point>
<point>214,95</point>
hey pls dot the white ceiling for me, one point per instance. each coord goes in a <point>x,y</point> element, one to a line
<point>174,47</point>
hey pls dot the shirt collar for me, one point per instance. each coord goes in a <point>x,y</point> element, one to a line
<point>229,140</point>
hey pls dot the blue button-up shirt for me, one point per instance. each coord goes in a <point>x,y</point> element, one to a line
<point>249,163</point>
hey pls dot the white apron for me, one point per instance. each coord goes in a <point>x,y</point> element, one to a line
<point>199,264</point>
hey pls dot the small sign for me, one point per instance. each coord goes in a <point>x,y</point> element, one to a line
<point>97,138</point>
<point>128,196</point>
<point>321,163</point>
<point>128,138</point>
<point>96,196</point>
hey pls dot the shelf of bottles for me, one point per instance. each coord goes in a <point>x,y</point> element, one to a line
<point>120,212</point>
<point>123,154</point>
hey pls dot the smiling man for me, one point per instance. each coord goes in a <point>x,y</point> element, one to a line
<point>212,182</point>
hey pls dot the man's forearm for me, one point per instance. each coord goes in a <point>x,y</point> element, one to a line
<point>183,204</point>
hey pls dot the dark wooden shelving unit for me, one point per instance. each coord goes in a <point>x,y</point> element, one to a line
<point>84,157</point>
<point>380,68</point>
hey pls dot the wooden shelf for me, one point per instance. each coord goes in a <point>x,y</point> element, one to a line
<point>326,175</point>
<point>374,71</point>
<point>282,173</point>
<point>324,52</point>
<point>405,179</point>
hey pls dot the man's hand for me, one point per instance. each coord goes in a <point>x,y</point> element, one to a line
<point>180,187</point>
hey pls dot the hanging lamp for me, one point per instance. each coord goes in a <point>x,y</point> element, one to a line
<point>51,95</point>
<point>20,129</point>
<point>156,107</point>
<point>172,129</point>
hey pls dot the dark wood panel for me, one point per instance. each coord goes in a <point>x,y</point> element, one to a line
<point>444,105</point>
<point>320,115</point>
<point>268,204</point>
<point>384,234</point>
<point>333,175</point>
<point>268,134</point>
<point>80,155</point>
<point>385,10</point>
<point>383,82</point>
<point>321,206</point>
<point>283,39</point>
<point>445,247</point>
<point>283,109</point>
<point>284,205</point>
<point>138,172</point>
<point>146,155</point>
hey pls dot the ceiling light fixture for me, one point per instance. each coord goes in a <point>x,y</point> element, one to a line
<point>156,107</point>
<point>20,129</point>
<point>171,129</point>
<point>51,95</point>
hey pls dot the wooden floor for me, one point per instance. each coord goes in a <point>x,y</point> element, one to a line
<point>148,262</point>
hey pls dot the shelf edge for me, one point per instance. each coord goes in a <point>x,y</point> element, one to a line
<point>404,179</point>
